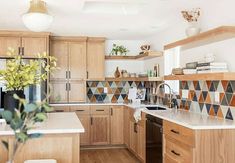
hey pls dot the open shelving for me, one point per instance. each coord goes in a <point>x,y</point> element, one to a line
<point>206,76</point>
<point>204,38</point>
<point>135,79</point>
<point>145,56</point>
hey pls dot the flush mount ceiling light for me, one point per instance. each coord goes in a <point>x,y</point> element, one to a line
<point>37,18</point>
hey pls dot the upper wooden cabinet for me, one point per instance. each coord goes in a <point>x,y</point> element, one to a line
<point>27,44</point>
<point>71,57</point>
<point>95,58</point>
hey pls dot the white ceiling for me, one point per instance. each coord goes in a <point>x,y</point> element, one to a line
<point>69,18</point>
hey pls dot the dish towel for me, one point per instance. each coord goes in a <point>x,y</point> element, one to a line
<point>137,114</point>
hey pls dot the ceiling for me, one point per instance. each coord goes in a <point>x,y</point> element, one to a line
<point>71,20</point>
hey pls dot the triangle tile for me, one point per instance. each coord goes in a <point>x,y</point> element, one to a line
<point>201,105</point>
<point>212,96</point>
<point>220,87</point>
<point>94,84</point>
<point>229,88</point>
<point>208,108</point>
<point>201,98</point>
<point>205,88</point>
<point>233,85</point>
<point>220,113</point>
<point>224,101</point>
<point>186,86</point>
<point>195,97</point>
<point>192,108</point>
<point>191,86</point>
<point>208,99</point>
<point>99,84</point>
<point>216,83</point>
<point>89,92</point>
<point>113,90</point>
<point>229,115</point>
<point>232,102</point>
<point>100,90</point>
<point>110,90</point>
<point>201,84</point>
<point>198,93</point>
<point>89,96</point>
<point>103,83</point>
<point>96,91</point>
<point>110,83</point>
<point>212,87</point>
<point>114,99</point>
<point>224,84</point>
<point>93,89</point>
<point>181,84</point>
<point>208,83</point>
<point>211,112</point>
<point>127,85</point>
<point>204,110</point>
<point>120,99</point>
<point>224,110</point>
<point>133,84</point>
<point>229,97</point>
<point>113,85</point>
<point>221,97</point>
<point>191,95</point>
<point>117,91</point>
<point>216,109</point>
<point>196,85</point>
<point>89,83</point>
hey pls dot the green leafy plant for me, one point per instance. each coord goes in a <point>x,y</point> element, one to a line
<point>22,121</point>
<point>19,74</point>
<point>121,49</point>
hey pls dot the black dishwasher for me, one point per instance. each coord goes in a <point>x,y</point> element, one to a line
<point>153,139</point>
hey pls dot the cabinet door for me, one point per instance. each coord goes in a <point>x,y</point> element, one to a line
<point>58,109</point>
<point>3,151</point>
<point>77,91</point>
<point>34,45</point>
<point>100,130</point>
<point>133,137</point>
<point>83,113</point>
<point>59,49</point>
<point>6,42</point>
<point>126,127</point>
<point>95,60</point>
<point>58,92</point>
<point>141,141</point>
<point>77,60</point>
<point>117,121</point>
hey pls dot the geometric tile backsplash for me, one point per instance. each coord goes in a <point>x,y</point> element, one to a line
<point>117,91</point>
<point>202,94</point>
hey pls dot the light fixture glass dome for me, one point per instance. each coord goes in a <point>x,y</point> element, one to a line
<point>37,19</point>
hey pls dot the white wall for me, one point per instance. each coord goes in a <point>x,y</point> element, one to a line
<point>214,14</point>
<point>131,66</point>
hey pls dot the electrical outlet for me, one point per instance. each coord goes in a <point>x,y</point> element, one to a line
<point>105,90</point>
<point>184,93</point>
<point>217,97</point>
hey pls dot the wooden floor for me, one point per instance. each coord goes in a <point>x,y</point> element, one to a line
<point>107,156</point>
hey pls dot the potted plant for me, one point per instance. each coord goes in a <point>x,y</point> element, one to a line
<point>19,75</point>
<point>21,121</point>
<point>192,16</point>
<point>119,50</point>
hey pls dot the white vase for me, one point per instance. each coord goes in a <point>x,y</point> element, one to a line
<point>192,29</point>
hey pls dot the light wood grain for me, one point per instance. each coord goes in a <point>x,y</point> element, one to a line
<point>210,36</point>
<point>3,150</point>
<point>64,148</point>
<point>100,110</point>
<point>77,60</point>
<point>34,45</point>
<point>61,109</point>
<point>180,133</point>
<point>95,59</point>
<point>126,127</point>
<point>6,42</point>
<point>59,49</point>
<point>58,92</point>
<point>206,76</point>
<point>117,124</point>
<point>77,91</point>
<point>107,156</point>
<point>134,79</point>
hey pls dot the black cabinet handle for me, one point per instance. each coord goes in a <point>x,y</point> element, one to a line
<point>59,111</point>
<point>66,87</point>
<point>69,74</point>
<point>22,53</point>
<point>99,110</point>
<point>176,132</point>
<point>66,74</point>
<point>111,111</point>
<point>19,50</point>
<point>135,127</point>
<point>175,153</point>
<point>80,110</point>
<point>87,75</point>
<point>91,120</point>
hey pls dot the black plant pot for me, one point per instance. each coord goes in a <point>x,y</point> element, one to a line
<point>10,103</point>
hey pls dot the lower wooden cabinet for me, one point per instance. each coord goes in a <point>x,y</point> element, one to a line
<point>61,109</point>
<point>126,127</point>
<point>116,125</point>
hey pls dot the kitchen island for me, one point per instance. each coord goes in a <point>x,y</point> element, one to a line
<point>60,140</point>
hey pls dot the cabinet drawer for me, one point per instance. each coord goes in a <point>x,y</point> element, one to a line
<point>100,110</point>
<point>168,159</point>
<point>178,151</point>
<point>180,133</point>
<point>80,110</point>
<point>60,109</point>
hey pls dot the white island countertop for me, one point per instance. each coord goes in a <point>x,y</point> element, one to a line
<point>57,123</point>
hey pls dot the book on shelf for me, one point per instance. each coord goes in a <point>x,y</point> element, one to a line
<point>212,71</point>
<point>211,64</point>
<point>212,67</point>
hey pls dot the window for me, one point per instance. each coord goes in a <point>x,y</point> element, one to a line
<point>172,60</point>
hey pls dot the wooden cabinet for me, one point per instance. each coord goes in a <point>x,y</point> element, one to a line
<point>117,124</point>
<point>126,127</point>
<point>77,91</point>
<point>95,58</point>
<point>100,125</point>
<point>9,41</point>
<point>83,113</point>
<point>27,44</point>
<point>3,151</point>
<point>61,109</point>
<point>58,92</point>
<point>137,136</point>
<point>71,55</point>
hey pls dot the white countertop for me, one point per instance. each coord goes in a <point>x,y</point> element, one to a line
<point>57,123</point>
<point>181,117</point>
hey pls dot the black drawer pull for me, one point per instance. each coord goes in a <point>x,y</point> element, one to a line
<point>59,110</point>
<point>175,153</point>
<point>176,132</point>
<point>80,110</point>
<point>99,110</point>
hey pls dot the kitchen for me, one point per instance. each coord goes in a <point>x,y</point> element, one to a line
<point>158,90</point>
